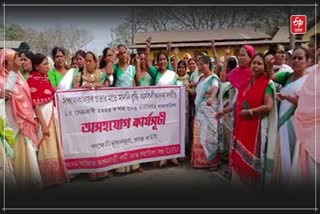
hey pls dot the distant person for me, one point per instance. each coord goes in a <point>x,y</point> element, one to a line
<point>313,47</point>
<point>297,45</point>
<point>74,62</point>
<point>183,80</point>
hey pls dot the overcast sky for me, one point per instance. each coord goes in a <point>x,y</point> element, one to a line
<point>98,20</point>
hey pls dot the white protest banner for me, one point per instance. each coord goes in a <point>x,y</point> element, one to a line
<point>108,128</point>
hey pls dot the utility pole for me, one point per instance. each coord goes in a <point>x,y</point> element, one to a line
<point>292,37</point>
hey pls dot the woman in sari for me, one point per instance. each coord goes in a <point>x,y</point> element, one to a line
<point>194,73</point>
<point>26,63</point>
<point>6,152</point>
<point>241,75</point>
<point>205,147</point>
<point>163,77</point>
<point>218,63</point>
<point>252,153</point>
<point>239,79</point>
<point>92,78</point>
<point>306,159</point>
<point>60,77</point>
<point>194,76</point>
<point>231,63</point>
<point>74,62</point>
<point>278,53</point>
<point>173,59</point>
<point>81,63</point>
<point>50,154</point>
<point>124,76</point>
<point>291,83</point>
<point>20,117</point>
<point>186,57</point>
<point>107,64</point>
<point>225,115</point>
<point>183,80</point>
<point>313,47</point>
<point>81,58</point>
<point>173,62</point>
<point>143,77</point>
<point>124,73</point>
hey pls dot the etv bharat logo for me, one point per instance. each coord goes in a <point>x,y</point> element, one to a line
<point>298,24</point>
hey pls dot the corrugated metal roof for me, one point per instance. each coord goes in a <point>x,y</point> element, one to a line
<point>11,44</point>
<point>198,36</point>
<point>207,44</point>
<point>282,35</point>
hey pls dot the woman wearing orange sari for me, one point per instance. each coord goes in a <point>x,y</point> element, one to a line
<point>20,117</point>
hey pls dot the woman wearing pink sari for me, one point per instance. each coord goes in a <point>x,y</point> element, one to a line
<point>241,76</point>
<point>20,117</point>
<point>306,158</point>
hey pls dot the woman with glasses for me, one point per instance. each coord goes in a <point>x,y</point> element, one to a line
<point>279,53</point>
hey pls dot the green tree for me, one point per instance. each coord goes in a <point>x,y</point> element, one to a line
<point>12,32</point>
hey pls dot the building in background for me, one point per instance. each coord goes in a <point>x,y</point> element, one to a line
<point>195,42</point>
<point>312,28</point>
<point>15,45</point>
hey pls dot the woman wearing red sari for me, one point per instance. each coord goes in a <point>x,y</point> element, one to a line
<point>253,151</point>
<point>50,155</point>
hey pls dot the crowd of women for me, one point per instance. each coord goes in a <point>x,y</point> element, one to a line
<point>256,111</point>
